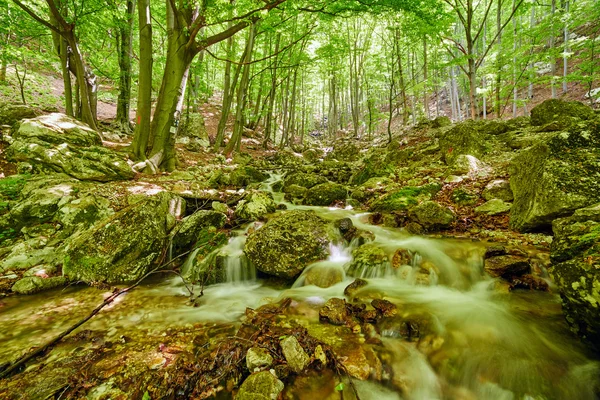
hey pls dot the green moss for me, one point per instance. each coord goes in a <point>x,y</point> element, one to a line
<point>404,198</point>
<point>11,186</point>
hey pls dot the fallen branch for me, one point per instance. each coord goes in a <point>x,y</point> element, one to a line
<point>19,362</point>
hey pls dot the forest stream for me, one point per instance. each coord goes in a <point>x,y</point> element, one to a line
<point>456,334</point>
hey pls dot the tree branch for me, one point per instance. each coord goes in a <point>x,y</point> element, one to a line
<point>37,18</point>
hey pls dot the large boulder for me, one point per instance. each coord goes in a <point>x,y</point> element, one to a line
<point>325,194</point>
<point>245,175</point>
<point>193,226</point>
<point>10,113</point>
<point>464,138</point>
<point>555,110</point>
<point>431,215</point>
<point>255,206</point>
<point>286,244</point>
<point>57,143</point>
<point>193,132</point>
<point>125,246</point>
<point>555,177</point>
<point>576,271</point>
<point>305,180</point>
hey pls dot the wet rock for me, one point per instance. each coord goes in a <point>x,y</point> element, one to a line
<point>384,307</point>
<point>555,110</point>
<point>323,276</point>
<point>507,266</point>
<point>345,225</point>
<point>220,207</point>
<point>289,242</point>
<point>192,226</point>
<point>414,229</point>
<point>258,357</point>
<point>529,282</point>
<point>325,194</point>
<point>335,311</point>
<point>295,192</point>
<point>10,113</point>
<point>495,250</point>
<point>402,257</point>
<point>493,207</point>
<point>35,284</point>
<point>260,386</point>
<point>431,215</point>
<point>498,189</point>
<point>354,287</point>
<point>255,206</point>
<point>294,354</point>
<point>576,271</point>
<point>123,247</point>
<point>57,143</point>
<point>303,179</point>
<point>466,164</point>
<point>369,261</point>
<point>555,177</point>
<point>404,198</point>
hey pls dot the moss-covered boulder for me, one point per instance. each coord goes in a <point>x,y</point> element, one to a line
<point>205,263</point>
<point>440,122</point>
<point>125,246</point>
<point>303,179</point>
<point>295,193</point>
<point>404,198</point>
<point>493,207</point>
<point>82,213</point>
<point>312,155</point>
<point>556,177</point>
<point>191,228</point>
<point>431,215</point>
<point>36,284</point>
<point>464,197</point>
<point>557,110</point>
<point>192,132</point>
<point>255,205</point>
<point>498,189</point>
<point>286,244</point>
<point>57,143</point>
<point>325,194</point>
<point>344,150</point>
<point>245,175</point>
<point>10,113</point>
<point>369,261</point>
<point>576,271</point>
<point>464,138</point>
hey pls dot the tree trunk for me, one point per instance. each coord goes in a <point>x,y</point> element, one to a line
<point>269,122</point>
<point>226,103</point>
<point>124,44</point>
<point>144,101</point>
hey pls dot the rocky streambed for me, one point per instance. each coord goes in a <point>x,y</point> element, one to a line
<point>457,262</point>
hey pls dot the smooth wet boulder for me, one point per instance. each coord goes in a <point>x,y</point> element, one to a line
<point>555,177</point>
<point>36,284</point>
<point>325,194</point>
<point>576,271</point>
<point>323,275</point>
<point>289,242</point>
<point>556,110</point>
<point>464,138</point>
<point>260,386</point>
<point>125,246</point>
<point>255,206</point>
<point>507,266</point>
<point>56,143</point>
<point>10,113</point>
<point>431,215</point>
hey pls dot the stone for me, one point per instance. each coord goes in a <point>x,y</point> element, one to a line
<point>441,122</point>
<point>335,312</point>
<point>246,175</point>
<point>260,386</point>
<point>57,143</point>
<point>220,207</point>
<point>462,139</point>
<point>36,284</point>
<point>493,207</point>
<point>289,242</point>
<point>408,196</point>
<point>506,266</point>
<point>303,179</point>
<point>385,307</point>
<point>258,357</point>
<point>11,113</point>
<point>464,197</point>
<point>255,206</point>
<point>125,246</point>
<point>369,261</point>
<point>323,275</point>
<point>354,287</point>
<point>466,164</point>
<point>575,255</point>
<point>82,213</point>
<point>325,194</point>
<point>294,354</point>
<point>312,155</point>
<point>294,192</point>
<point>555,177</point>
<point>344,151</point>
<point>555,109</point>
<point>431,215</point>
<point>24,257</point>
<point>498,189</point>
<point>192,127</point>
<point>191,227</point>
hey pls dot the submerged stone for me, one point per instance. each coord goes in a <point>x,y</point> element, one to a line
<point>260,386</point>
<point>35,284</point>
<point>294,354</point>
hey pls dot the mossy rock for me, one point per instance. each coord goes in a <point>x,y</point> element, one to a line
<point>191,228</point>
<point>493,207</point>
<point>325,194</point>
<point>36,284</point>
<point>260,386</point>
<point>303,179</point>
<point>289,242</point>
<point>125,246</point>
<point>11,113</point>
<point>431,215</point>
<point>464,197</point>
<point>11,186</point>
<point>440,122</point>
<point>498,189</point>
<point>203,264</point>
<point>555,110</point>
<point>244,176</point>
<point>404,198</point>
<point>255,206</point>
<point>369,261</point>
<point>463,139</point>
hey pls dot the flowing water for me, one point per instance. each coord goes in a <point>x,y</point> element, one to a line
<point>480,343</point>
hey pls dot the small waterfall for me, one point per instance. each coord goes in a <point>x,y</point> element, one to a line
<point>326,273</point>
<point>267,186</point>
<point>237,266</point>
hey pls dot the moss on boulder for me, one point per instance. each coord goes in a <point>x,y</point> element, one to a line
<point>431,215</point>
<point>11,113</point>
<point>464,138</point>
<point>369,261</point>
<point>554,110</point>
<point>245,175</point>
<point>255,206</point>
<point>303,179</point>
<point>286,244</point>
<point>325,194</point>
<point>125,246</point>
